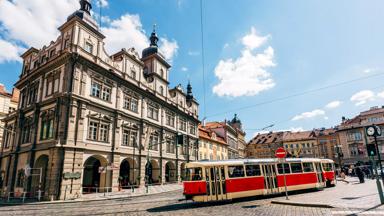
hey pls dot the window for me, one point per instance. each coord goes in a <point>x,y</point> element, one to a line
<point>235,171</point>
<point>131,103</point>
<point>154,142</point>
<point>153,112</point>
<point>133,74</point>
<point>106,94</point>
<point>194,174</point>
<point>162,73</point>
<point>26,132</point>
<point>96,89</point>
<point>253,170</point>
<point>47,127</point>
<point>161,90</point>
<point>101,91</point>
<point>192,128</point>
<point>183,124</point>
<point>170,119</point>
<point>104,130</point>
<point>296,168</point>
<point>20,178</point>
<point>52,53</point>
<point>93,130</point>
<point>66,43</point>
<point>308,167</point>
<point>129,137</point>
<point>170,148</point>
<point>327,167</point>
<point>286,168</point>
<point>33,91</point>
<point>88,47</point>
<point>98,131</point>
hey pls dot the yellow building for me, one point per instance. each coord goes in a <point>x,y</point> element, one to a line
<point>300,144</point>
<point>211,146</point>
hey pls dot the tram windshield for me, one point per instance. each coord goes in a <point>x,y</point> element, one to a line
<point>327,166</point>
<point>194,174</point>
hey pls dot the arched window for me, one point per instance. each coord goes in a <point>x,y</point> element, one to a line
<point>162,73</point>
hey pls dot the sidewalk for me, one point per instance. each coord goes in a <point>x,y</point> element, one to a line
<point>113,195</point>
<point>345,195</point>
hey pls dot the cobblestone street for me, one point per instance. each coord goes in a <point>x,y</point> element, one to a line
<point>364,202</point>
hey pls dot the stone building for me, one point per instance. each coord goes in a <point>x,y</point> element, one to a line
<point>211,145</point>
<point>8,104</point>
<point>241,143</point>
<point>88,121</point>
<point>300,144</point>
<point>327,141</point>
<point>353,139</point>
<point>264,145</point>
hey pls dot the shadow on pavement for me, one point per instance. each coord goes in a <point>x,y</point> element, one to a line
<point>182,205</point>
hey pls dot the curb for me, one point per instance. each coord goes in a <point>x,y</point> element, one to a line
<point>80,201</point>
<point>314,205</point>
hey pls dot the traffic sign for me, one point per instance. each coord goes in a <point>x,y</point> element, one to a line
<point>280,153</point>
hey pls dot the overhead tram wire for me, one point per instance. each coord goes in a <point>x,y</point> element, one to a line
<point>290,119</point>
<point>295,95</point>
<point>203,57</point>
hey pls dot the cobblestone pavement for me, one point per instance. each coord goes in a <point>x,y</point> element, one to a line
<point>163,204</point>
<point>359,199</point>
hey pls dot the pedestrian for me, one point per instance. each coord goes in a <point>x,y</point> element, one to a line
<point>359,173</point>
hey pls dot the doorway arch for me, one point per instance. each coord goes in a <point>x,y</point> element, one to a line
<point>170,172</point>
<point>94,175</point>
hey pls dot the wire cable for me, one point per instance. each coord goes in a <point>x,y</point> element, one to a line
<point>295,95</point>
<point>202,55</point>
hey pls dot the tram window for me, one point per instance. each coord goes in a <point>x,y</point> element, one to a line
<point>253,170</point>
<point>296,168</point>
<point>327,167</point>
<point>235,171</point>
<point>194,174</point>
<point>286,168</point>
<point>308,167</point>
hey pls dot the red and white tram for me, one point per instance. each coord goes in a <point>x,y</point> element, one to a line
<point>224,180</point>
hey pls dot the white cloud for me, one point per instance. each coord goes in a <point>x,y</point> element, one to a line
<point>193,53</point>
<point>252,40</point>
<point>246,75</point>
<point>363,97</point>
<point>380,94</point>
<point>34,23</point>
<point>369,70</point>
<point>9,51</point>
<point>307,115</point>
<point>184,69</point>
<point>333,104</point>
<point>168,48</point>
<point>296,129</point>
<point>125,32</point>
<point>102,3</point>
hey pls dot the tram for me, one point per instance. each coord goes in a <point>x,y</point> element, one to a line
<point>230,179</point>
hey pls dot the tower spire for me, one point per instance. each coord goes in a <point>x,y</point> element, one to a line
<point>85,5</point>
<point>154,37</point>
<point>189,91</point>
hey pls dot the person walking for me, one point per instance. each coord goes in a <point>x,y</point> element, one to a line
<point>359,173</point>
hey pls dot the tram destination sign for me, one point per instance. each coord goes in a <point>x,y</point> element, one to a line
<point>280,153</point>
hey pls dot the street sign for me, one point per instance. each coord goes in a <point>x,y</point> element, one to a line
<point>280,153</point>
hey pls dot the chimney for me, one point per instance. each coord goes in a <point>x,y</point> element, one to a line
<point>343,119</point>
<point>15,95</point>
<point>2,89</point>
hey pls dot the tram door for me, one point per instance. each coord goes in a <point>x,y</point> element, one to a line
<point>319,173</point>
<point>215,177</point>
<point>270,182</point>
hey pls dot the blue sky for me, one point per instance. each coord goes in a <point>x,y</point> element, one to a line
<point>255,51</point>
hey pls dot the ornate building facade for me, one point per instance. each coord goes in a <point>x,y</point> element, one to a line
<point>8,104</point>
<point>88,121</point>
<point>211,145</point>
